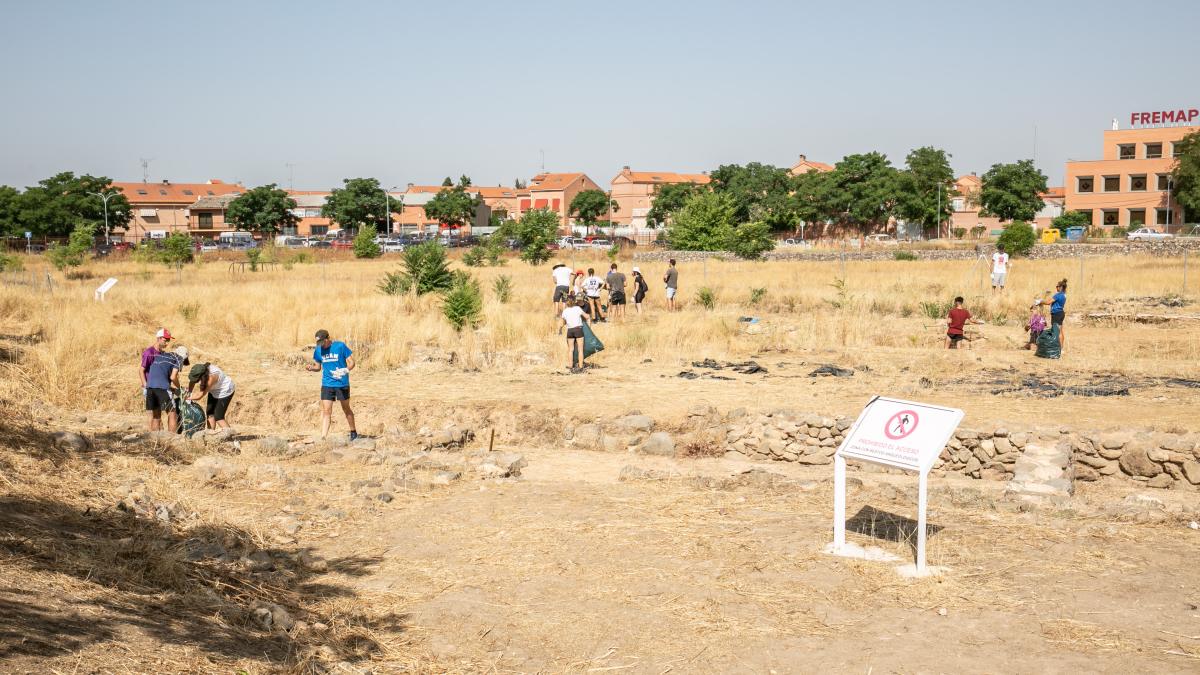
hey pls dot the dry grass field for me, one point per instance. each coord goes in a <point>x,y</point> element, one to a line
<point>569,569</point>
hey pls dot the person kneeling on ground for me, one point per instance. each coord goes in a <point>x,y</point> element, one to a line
<point>1036,323</point>
<point>958,318</point>
<point>219,388</point>
<point>573,318</point>
<point>334,361</point>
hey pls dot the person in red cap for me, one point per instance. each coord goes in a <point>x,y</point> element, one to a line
<point>162,340</point>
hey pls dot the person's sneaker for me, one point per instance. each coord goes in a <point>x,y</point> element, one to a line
<point>576,370</point>
<point>353,436</point>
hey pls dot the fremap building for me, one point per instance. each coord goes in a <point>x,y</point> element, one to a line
<point>1131,186</point>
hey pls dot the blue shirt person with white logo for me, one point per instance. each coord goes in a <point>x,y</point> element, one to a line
<point>334,360</point>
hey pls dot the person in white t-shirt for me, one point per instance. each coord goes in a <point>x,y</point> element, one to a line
<point>1000,265</point>
<point>562,286</point>
<point>591,287</point>
<point>219,388</point>
<point>573,318</point>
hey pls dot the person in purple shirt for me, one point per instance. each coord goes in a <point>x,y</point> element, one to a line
<point>162,339</point>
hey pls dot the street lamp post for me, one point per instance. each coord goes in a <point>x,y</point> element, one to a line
<point>387,209</point>
<point>104,197</point>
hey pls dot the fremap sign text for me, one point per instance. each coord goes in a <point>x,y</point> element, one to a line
<point>1180,116</point>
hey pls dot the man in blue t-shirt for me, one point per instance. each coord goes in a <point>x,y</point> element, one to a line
<point>162,379</point>
<point>334,361</point>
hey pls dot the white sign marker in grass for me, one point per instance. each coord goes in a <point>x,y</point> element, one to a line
<point>104,288</point>
<point>895,433</point>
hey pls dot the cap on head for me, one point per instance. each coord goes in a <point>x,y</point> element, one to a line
<point>637,270</point>
<point>162,334</point>
<point>197,373</point>
<point>322,335</point>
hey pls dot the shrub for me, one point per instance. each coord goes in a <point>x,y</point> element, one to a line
<point>302,258</point>
<point>364,243</point>
<point>254,255</point>
<point>613,252</point>
<point>10,263</point>
<point>534,232</point>
<point>475,256</point>
<point>176,249</point>
<point>1071,219</point>
<point>425,271</point>
<point>750,240</point>
<point>936,310</point>
<point>704,223</point>
<point>706,297</point>
<point>76,249</point>
<point>190,311</point>
<point>502,287</point>
<point>1118,232</point>
<point>978,231</point>
<point>757,295</point>
<point>904,255</point>
<point>958,232</point>
<point>463,304</point>
<point>1018,238</point>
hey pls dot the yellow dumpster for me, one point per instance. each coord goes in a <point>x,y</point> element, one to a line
<point>1050,235</point>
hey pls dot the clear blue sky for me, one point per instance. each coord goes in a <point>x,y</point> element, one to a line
<point>412,92</point>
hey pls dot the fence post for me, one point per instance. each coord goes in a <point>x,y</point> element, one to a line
<point>1185,271</point>
<point>1080,270</point>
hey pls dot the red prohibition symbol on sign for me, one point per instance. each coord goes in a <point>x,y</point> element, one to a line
<point>901,424</point>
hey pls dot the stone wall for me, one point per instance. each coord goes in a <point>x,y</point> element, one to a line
<point>1160,460</point>
<point>1170,248</point>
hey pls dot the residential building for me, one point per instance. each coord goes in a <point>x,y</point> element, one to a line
<point>1131,186</point>
<point>308,210</point>
<point>413,219</point>
<point>634,191</point>
<point>554,191</point>
<point>163,208</point>
<point>206,216</point>
<point>966,213</point>
<point>501,200</point>
<point>805,165</point>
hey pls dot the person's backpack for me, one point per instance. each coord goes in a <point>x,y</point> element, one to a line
<point>191,416</point>
<point>1047,343</point>
<point>591,345</point>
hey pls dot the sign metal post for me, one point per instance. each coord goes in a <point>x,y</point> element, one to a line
<point>900,434</point>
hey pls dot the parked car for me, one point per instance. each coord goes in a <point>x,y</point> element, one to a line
<point>578,243</point>
<point>319,243</point>
<point>881,239</point>
<point>792,242</point>
<point>208,246</point>
<point>1147,234</point>
<point>553,246</point>
<point>392,246</point>
<point>602,244</point>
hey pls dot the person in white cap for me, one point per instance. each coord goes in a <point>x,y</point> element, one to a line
<point>639,289</point>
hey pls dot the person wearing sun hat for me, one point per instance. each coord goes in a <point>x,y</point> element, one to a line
<point>218,386</point>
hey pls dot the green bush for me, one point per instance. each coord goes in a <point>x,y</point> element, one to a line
<point>1071,219</point>
<point>904,255</point>
<point>176,249</point>
<point>74,253</point>
<point>750,240</point>
<point>958,232</point>
<point>706,297</point>
<point>534,232</point>
<point>475,256</point>
<point>10,263</point>
<point>503,287</point>
<point>463,304</point>
<point>936,310</point>
<point>425,271</point>
<point>757,295</point>
<point>978,231</point>
<point>254,255</point>
<point>364,243</point>
<point>302,258</point>
<point>1118,232</point>
<point>1017,238</point>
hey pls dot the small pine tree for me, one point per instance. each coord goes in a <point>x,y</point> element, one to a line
<point>75,251</point>
<point>463,304</point>
<point>425,271</point>
<point>364,243</point>
<point>503,287</point>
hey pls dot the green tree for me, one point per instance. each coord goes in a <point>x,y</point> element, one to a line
<point>589,205</point>
<point>10,212</point>
<point>364,243</point>
<point>1017,238</point>
<point>759,192</point>
<point>55,205</point>
<point>813,201</point>
<point>668,199</point>
<point>750,240</point>
<point>463,304</point>
<point>359,202</point>
<point>74,252</point>
<point>1071,219</point>
<point>925,187</point>
<point>536,230</point>
<point>265,209</point>
<point>176,250</point>
<point>425,271</point>
<point>1013,191</point>
<point>1185,175</point>
<point>454,205</point>
<point>705,223</point>
<point>864,190</point>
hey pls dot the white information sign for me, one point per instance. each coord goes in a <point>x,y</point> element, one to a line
<point>896,433</point>
<point>105,287</point>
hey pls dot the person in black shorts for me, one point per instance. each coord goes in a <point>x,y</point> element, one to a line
<point>219,388</point>
<point>573,318</point>
<point>615,281</point>
<point>639,289</point>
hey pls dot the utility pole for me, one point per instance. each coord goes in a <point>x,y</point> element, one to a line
<point>146,168</point>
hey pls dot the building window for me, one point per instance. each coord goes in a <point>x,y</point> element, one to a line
<point>320,229</point>
<point>289,230</point>
<point>1112,183</point>
<point>524,205</point>
<point>1112,217</point>
<point>555,205</point>
<point>1086,184</point>
<point>1126,151</point>
<point>958,204</point>
<point>312,213</point>
<point>1162,216</point>
<point>1137,182</point>
<point>540,203</point>
<point>143,192</point>
<point>1137,217</point>
<point>1164,181</point>
<point>162,192</point>
<point>188,192</point>
<point>204,221</point>
<point>1088,213</point>
<point>1176,150</point>
<point>1154,151</point>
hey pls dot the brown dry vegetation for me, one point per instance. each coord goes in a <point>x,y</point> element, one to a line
<point>570,570</point>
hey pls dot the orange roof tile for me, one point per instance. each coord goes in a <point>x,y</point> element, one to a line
<point>175,193</point>
<point>969,178</point>
<point>487,192</point>
<point>553,181</point>
<point>664,177</point>
<point>1057,191</point>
